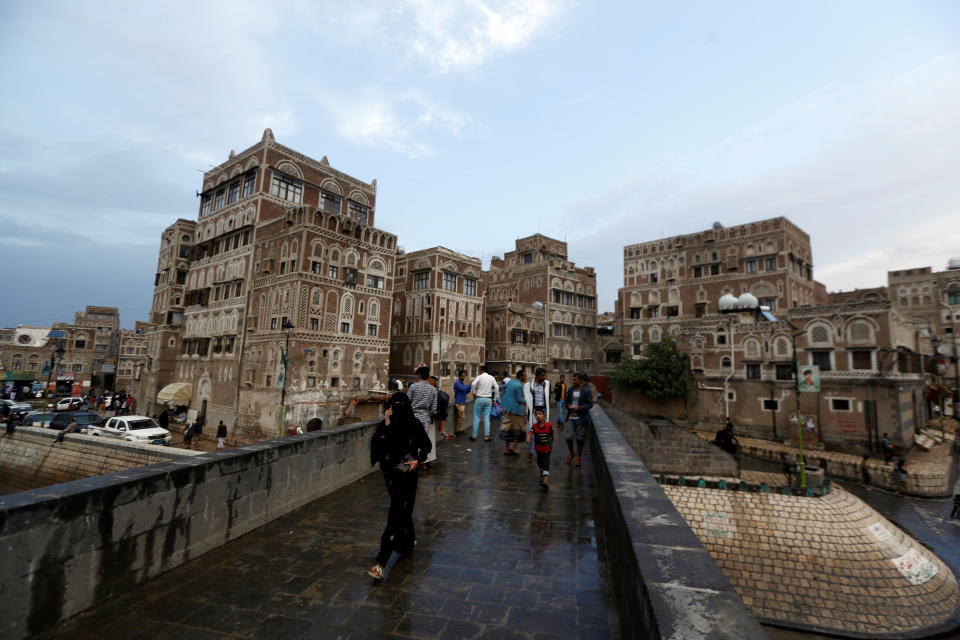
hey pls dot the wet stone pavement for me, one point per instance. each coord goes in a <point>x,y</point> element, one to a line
<point>495,558</point>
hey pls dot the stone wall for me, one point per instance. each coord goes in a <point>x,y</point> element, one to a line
<point>29,458</point>
<point>669,448</point>
<point>81,542</point>
<point>666,585</point>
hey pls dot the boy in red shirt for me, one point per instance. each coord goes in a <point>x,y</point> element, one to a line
<point>542,435</point>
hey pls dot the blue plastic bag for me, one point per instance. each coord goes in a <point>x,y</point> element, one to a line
<point>495,412</point>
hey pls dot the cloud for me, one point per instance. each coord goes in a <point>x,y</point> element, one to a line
<point>448,37</point>
<point>399,121</point>
<point>21,242</point>
<point>452,37</point>
<point>877,192</point>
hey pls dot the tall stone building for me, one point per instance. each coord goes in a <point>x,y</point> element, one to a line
<point>865,348</point>
<point>438,315</point>
<point>930,300</point>
<point>538,271</point>
<point>284,256</point>
<point>516,340</point>
<point>132,357</point>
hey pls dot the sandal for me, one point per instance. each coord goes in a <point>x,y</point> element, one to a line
<point>376,572</point>
<point>578,462</point>
<point>487,439</point>
<point>569,458</point>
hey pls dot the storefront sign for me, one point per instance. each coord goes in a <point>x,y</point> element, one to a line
<point>716,523</point>
<point>16,374</point>
<point>915,567</point>
<point>65,375</point>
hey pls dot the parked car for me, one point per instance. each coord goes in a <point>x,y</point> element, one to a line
<point>85,420</point>
<point>18,408</point>
<point>67,404</point>
<point>37,419</point>
<point>142,429</point>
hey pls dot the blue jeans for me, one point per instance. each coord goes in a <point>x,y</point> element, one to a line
<point>481,410</point>
<point>560,419</point>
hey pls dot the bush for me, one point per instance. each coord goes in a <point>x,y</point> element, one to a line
<point>663,373</point>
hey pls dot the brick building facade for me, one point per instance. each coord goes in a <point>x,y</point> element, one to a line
<point>438,315</point>
<point>538,271</point>
<point>90,346</point>
<point>284,251</point>
<point>865,347</point>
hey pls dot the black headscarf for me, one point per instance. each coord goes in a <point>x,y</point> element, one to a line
<point>402,409</point>
<point>403,436</point>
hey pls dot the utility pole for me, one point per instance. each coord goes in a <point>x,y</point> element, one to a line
<point>284,358</point>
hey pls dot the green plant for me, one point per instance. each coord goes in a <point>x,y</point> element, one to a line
<point>663,373</point>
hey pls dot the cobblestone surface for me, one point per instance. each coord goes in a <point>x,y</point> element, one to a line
<point>828,563</point>
<point>495,558</point>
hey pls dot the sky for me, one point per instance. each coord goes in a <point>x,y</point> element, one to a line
<point>483,121</point>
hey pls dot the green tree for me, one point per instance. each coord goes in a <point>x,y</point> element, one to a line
<point>663,373</point>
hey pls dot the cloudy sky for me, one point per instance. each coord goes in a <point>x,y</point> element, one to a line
<point>604,123</point>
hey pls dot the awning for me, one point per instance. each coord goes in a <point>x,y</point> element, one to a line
<point>177,394</point>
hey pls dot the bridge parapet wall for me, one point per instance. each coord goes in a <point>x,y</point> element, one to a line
<point>29,458</point>
<point>665,582</point>
<point>70,546</point>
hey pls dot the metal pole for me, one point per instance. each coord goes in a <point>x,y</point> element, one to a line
<point>116,364</point>
<point>283,390</point>
<point>796,390</point>
<point>46,392</point>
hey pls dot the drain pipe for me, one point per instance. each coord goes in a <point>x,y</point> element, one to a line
<point>726,381</point>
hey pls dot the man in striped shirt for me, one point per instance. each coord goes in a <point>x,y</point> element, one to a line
<point>423,399</point>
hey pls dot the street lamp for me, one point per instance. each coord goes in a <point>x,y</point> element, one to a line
<point>55,355</point>
<point>287,325</point>
<point>539,306</point>
<point>729,303</point>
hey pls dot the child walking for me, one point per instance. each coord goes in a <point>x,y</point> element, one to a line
<point>542,434</point>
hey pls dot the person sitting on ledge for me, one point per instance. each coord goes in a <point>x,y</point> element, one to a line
<point>725,439</point>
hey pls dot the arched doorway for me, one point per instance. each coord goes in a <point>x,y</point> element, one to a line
<point>315,424</point>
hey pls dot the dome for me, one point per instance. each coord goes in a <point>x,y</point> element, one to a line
<point>727,302</point>
<point>747,301</point>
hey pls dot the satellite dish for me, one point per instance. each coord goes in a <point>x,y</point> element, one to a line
<point>941,349</point>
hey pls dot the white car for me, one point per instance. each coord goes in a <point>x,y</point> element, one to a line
<point>66,404</point>
<point>140,429</point>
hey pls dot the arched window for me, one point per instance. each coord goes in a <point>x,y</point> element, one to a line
<point>752,348</point>
<point>783,347</point>
<point>725,362</point>
<point>860,331</point>
<point>819,334</point>
<point>655,334</point>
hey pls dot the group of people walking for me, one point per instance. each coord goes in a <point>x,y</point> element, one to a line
<point>405,441</point>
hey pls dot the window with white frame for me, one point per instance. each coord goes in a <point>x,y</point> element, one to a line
<point>861,359</point>
<point>822,359</point>
<point>286,188</point>
<point>841,404</point>
<point>421,280</point>
<point>470,286</point>
<point>449,281</point>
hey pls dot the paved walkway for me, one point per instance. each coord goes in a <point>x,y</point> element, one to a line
<point>495,558</point>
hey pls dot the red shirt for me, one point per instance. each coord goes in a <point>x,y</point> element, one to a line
<point>542,437</point>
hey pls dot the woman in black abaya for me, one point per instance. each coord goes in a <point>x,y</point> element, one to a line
<point>400,445</point>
